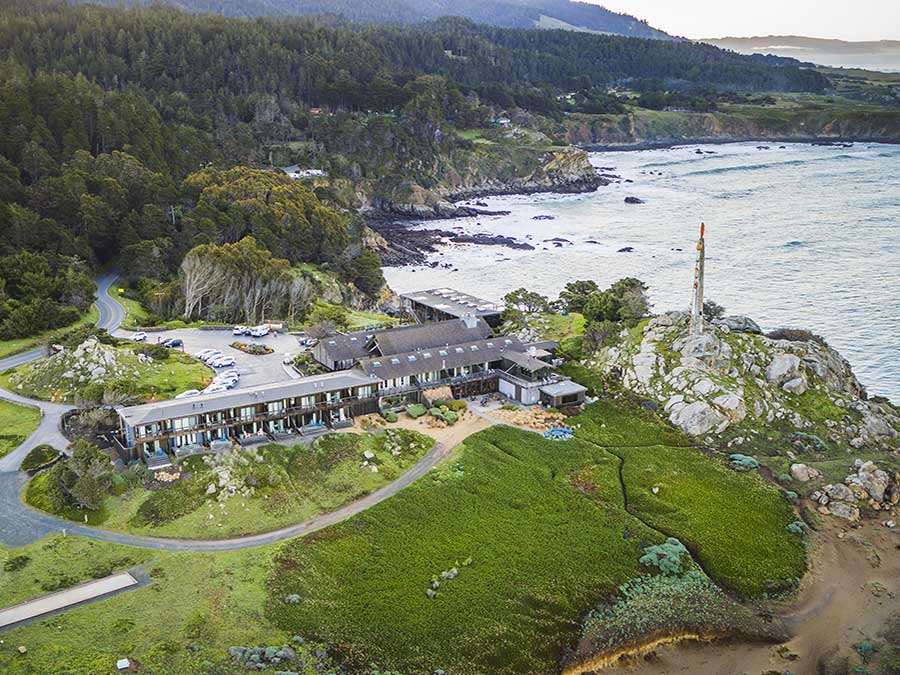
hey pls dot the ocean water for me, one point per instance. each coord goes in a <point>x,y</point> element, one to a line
<point>798,236</point>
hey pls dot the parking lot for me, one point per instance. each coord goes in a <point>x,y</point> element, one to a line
<point>254,370</point>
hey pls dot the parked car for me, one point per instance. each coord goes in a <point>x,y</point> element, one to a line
<point>223,362</point>
<point>212,356</point>
<point>174,343</point>
<point>239,330</point>
<point>140,336</point>
<point>228,383</point>
<point>203,353</point>
<point>188,393</point>
<point>309,342</point>
<point>259,331</point>
<point>215,389</point>
<point>230,373</point>
<point>165,342</point>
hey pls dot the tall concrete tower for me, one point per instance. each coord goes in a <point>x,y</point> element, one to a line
<point>697,303</point>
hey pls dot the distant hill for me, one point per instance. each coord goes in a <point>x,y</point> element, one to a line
<point>874,55</point>
<point>560,14</point>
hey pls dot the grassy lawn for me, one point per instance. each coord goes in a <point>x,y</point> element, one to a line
<point>360,320</point>
<point>135,313</point>
<point>154,381</point>
<point>17,423</point>
<point>19,345</point>
<point>543,524</point>
<point>287,485</point>
<point>197,607</point>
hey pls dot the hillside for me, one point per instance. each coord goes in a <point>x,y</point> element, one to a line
<point>874,55</point>
<point>562,14</point>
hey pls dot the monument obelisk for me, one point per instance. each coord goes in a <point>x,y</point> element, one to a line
<point>697,303</point>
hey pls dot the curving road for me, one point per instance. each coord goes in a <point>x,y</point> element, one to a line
<point>20,524</point>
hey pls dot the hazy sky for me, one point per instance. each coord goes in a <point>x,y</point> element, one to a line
<point>844,19</point>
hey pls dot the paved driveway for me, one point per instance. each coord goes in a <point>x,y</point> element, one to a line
<point>253,369</point>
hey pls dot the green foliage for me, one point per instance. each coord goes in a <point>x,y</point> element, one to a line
<point>576,293</point>
<point>512,500</point>
<point>416,410</point>
<point>741,462</point>
<point>626,300</point>
<point>390,417</point>
<point>796,527</point>
<point>666,557</point>
<point>524,301</point>
<point>168,503</point>
<point>16,563</point>
<point>336,315</point>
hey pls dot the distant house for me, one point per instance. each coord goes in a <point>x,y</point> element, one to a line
<point>504,122</point>
<point>298,173</point>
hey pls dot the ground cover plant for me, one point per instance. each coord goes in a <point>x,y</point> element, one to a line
<point>508,505</point>
<point>38,457</point>
<point>195,609</point>
<point>475,551</point>
<point>17,423</point>
<point>253,490</point>
<point>733,522</point>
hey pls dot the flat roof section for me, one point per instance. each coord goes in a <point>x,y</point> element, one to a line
<point>63,599</point>
<point>455,303</point>
<point>148,413</point>
<point>564,388</point>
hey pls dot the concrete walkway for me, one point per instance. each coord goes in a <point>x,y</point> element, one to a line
<point>77,595</point>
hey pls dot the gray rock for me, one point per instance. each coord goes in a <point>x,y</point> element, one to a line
<point>840,492</point>
<point>739,324</point>
<point>783,368</point>
<point>796,386</point>
<point>844,510</point>
<point>697,418</point>
<point>803,473</point>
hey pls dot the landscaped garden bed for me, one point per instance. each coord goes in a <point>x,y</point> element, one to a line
<point>252,348</point>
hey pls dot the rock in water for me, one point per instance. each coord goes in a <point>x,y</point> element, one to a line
<point>633,200</point>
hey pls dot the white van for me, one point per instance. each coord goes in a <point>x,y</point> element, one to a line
<point>259,331</point>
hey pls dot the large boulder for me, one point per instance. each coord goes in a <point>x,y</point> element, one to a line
<point>840,493</point>
<point>804,473</point>
<point>739,324</point>
<point>697,418</point>
<point>796,386</point>
<point>783,368</point>
<point>844,510</point>
<point>875,483</point>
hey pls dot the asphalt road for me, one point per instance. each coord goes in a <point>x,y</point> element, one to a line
<point>20,524</point>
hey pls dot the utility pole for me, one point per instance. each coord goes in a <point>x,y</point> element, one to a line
<point>697,304</point>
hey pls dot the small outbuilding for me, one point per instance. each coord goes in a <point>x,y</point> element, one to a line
<point>562,394</point>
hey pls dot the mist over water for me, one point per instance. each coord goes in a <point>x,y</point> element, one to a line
<point>804,236</point>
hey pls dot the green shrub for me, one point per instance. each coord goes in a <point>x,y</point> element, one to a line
<point>16,563</point>
<point>416,410</point>
<point>797,527</point>
<point>156,352</point>
<point>390,417</point>
<point>167,504</point>
<point>742,462</point>
<point>40,456</point>
<point>665,557</point>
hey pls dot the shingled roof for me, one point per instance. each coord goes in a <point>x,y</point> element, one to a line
<point>430,335</point>
<point>441,357</point>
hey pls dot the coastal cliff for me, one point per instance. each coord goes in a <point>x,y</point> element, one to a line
<point>647,128</point>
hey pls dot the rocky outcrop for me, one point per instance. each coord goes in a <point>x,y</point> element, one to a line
<point>867,485</point>
<point>732,376</point>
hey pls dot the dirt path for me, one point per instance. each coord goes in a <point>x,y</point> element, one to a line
<point>852,588</point>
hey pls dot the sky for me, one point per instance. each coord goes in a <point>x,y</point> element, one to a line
<point>842,19</point>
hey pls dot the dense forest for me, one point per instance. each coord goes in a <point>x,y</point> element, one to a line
<point>505,13</point>
<point>118,127</point>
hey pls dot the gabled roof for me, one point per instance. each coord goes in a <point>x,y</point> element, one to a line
<point>440,358</point>
<point>347,347</point>
<point>429,335</point>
